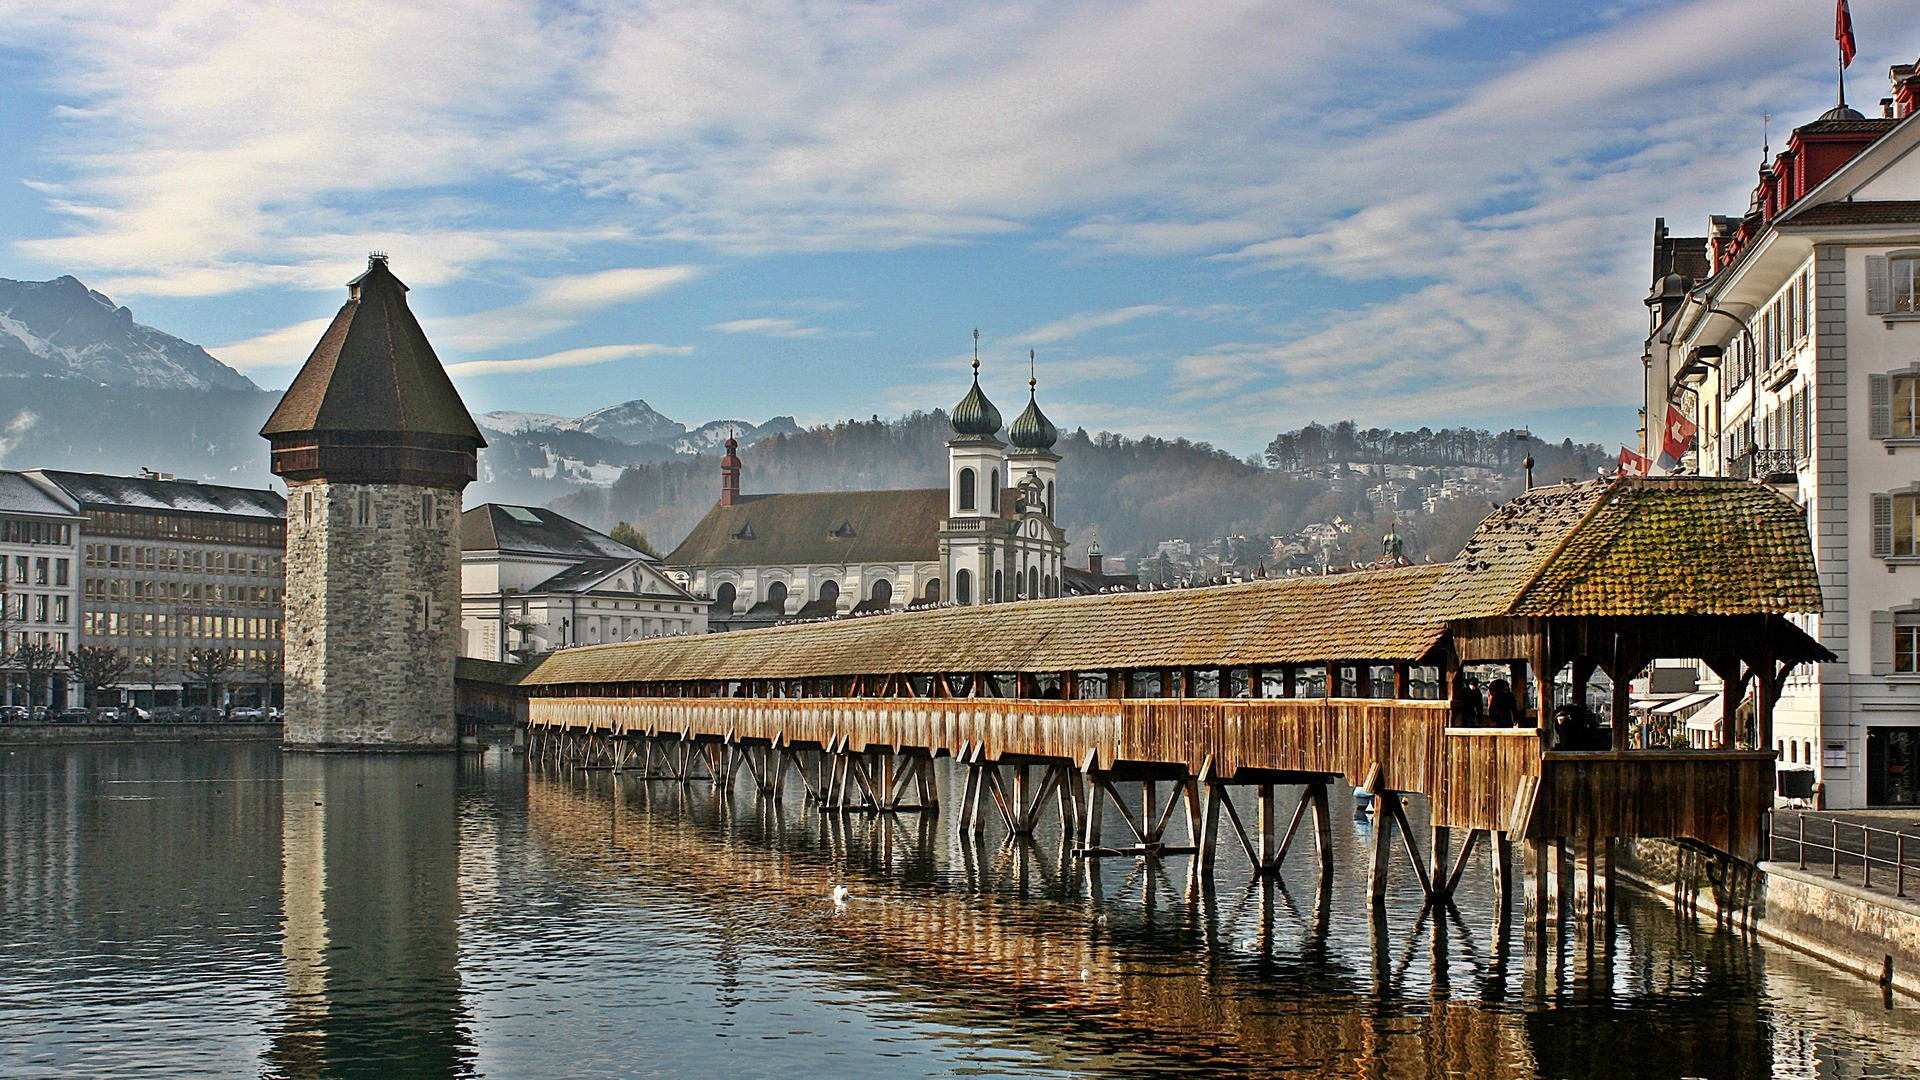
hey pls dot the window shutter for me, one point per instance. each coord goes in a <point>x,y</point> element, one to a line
<point>1800,426</point>
<point>1883,643</point>
<point>1882,405</point>
<point>1882,526</point>
<point>1878,300</point>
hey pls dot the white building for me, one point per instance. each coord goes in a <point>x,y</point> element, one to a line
<point>39,581</point>
<point>988,536</point>
<point>532,581</point>
<point>1791,336</point>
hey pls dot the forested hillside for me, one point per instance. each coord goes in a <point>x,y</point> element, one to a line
<point>1130,494</point>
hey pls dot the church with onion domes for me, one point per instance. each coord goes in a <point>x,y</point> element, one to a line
<point>989,536</point>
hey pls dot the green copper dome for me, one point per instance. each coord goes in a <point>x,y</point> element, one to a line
<point>1032,430</point>
<point>975,415</point>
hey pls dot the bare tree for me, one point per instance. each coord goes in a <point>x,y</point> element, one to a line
<point>97,667</point>
<point>37,663</point>
<point>8,625</point>
<point>211,667</point>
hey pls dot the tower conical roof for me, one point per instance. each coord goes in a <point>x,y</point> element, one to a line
<point>975,415</point>
<point>374,371</point>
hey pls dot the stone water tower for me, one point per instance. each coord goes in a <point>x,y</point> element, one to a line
<point>375,446</point>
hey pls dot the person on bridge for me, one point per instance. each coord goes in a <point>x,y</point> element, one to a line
<point>1467,710</point>
<point>1503,709</point>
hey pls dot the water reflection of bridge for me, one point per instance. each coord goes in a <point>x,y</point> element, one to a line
<point>1051,704</point>
<point>1248,981</point>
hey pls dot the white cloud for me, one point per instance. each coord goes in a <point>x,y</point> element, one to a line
<point>597,354</point>
<point>285,347</point>
<point>783,328</point>
<point>1074,325</point>
<point>556,304</point>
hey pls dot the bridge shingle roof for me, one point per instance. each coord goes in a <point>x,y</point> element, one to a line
<point>1636,546</point>
<point>1372,615</point>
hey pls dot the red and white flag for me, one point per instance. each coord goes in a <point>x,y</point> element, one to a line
<point>1675,439</point>
<point>1632,464</point>
<point>1843,32</point>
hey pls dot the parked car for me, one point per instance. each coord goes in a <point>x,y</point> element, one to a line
<point>13,714</point>
<point>165,714</point>
<point>106,714</point>
<point>135,712</point>
<point>39,714</point>
<point>73,716</point>
<point>246,716</point>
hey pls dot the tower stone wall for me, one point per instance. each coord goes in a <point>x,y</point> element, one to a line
<point>373,615</point>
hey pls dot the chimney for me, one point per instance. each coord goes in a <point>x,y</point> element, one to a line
<point>1094,561</point>
<point>730,475</point>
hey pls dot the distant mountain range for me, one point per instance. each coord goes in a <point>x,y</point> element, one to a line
<point>83,386</point>
<point>63,329</point>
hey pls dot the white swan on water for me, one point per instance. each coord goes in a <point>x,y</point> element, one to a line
<point>840,895</point>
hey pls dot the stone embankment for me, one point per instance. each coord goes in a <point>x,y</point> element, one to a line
<point>19,734</point>
<point>1869,932</point>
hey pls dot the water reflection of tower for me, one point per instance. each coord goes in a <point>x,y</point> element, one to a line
<point>371,900</point>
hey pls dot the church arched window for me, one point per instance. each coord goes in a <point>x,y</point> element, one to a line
<point>963,586</point>
<point>999,583</point>
<point>1049,498</point>
<point>777,595</point>
<point>882,592</point>
<point>933,590</point>
<point>993,493</point>
<point>1033,582</point>
<point>723,599</point>
<point>829,592</point>
<point>967,497</point>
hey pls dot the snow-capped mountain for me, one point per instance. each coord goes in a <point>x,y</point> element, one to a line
<point>64,329</point>
<point>636,423</point>
<point>710,436</point>
<point>508,422</point>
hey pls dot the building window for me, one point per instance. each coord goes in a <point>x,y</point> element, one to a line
<point>1896,525</point>
<point>1893,283</point>
<point>1906,643</point>
<point>723,598</point>
<point>1896,405</point>
<point>1903,279</point>
<point>968,499</point>
<point>963,587</point>
<point>993,493</point>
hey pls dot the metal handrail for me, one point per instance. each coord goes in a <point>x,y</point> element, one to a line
<point>1834,848</point>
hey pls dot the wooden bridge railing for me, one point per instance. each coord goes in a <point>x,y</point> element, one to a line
<point>1475,778</point>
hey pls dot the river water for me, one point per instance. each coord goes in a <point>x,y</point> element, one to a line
<point>230,911</point>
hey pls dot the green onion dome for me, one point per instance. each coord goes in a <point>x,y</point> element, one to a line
<point>1032,430</point>
<point>975,415</point>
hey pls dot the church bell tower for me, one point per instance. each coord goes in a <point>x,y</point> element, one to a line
<point>375,446</point>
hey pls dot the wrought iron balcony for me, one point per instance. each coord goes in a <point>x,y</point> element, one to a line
<point>1764,466</point>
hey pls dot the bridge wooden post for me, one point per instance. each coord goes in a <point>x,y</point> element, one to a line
<point>1441,884</point>
<point>1380,847</point>
<point>1322,828</point>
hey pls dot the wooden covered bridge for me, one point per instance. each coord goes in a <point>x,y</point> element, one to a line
<point>1052,704</point>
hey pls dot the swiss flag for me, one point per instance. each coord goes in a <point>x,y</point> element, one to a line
<point>1632,464</point>
<point>1678,438</point>
<point>1843,31</point>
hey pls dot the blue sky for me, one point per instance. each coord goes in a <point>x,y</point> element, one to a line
<point>1214,220</point>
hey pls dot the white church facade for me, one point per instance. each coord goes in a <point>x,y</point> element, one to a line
<point>988,536</point>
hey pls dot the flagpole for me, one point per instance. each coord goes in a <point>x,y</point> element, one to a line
<point>1843,77</point>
